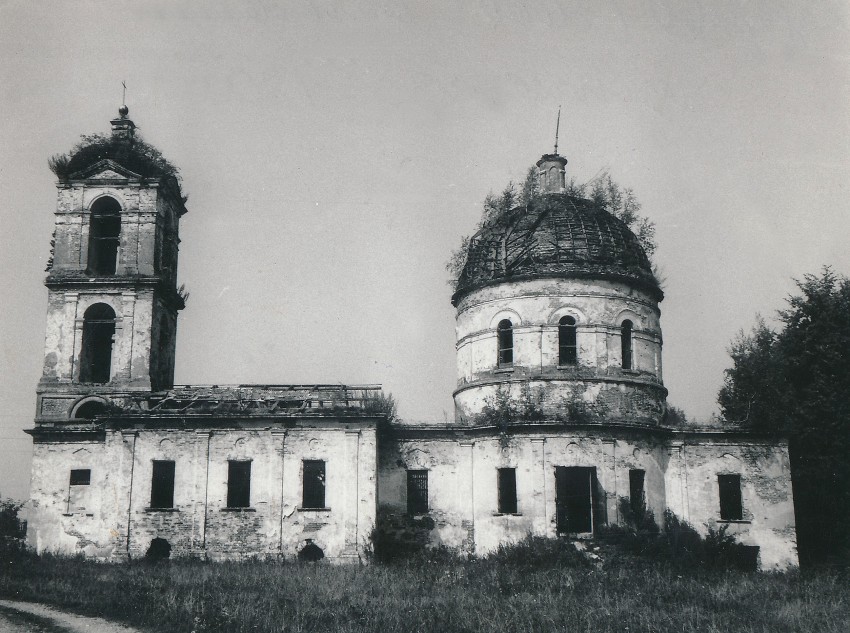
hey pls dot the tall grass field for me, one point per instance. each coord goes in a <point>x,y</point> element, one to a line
<point>533,587</point>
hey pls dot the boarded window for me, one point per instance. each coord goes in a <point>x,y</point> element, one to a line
<point>81,477</point>
<point>507,491</point>
<point>637,495</point>
<point>162,484</point>
<point>104,236</point>
<point>626,343</point>
<point>417,491</point>
<point>567,348</point>
<point>314,484</point>
<point>238,484</point>
<point>505,335</point>
<point>96,352</point>
<point>731,508</point>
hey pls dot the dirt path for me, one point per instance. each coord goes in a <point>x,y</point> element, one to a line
<point>37,618</point>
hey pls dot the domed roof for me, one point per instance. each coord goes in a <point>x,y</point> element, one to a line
<point>557,235</point>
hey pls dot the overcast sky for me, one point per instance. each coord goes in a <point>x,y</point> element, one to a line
<point>335,155</point>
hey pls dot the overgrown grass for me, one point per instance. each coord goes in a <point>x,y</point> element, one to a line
<point>521,589</point>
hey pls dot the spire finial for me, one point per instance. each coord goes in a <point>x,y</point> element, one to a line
<point>557,129</point>
<point>124,110</point>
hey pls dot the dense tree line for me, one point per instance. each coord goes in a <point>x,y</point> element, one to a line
<point>795,381</point>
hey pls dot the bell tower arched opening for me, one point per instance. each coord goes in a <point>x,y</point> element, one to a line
<point>96,352</point>
<point>104,236</point>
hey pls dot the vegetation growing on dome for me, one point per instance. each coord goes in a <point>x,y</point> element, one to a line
<point>603,191</point>
<point>136,155</point>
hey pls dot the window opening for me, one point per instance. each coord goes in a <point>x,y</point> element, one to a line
<point>505,333</point>
<point>507,491</point>
<point>77,494</point>
<point>637,494</point>
<point>81,477</point>
<point>314,484</point>
<point>96,353</point>
<point>104,236</point>
<point>90,410</point>
<point>567,348</point>
<point>579,506</point>
<point>626,342</point>
<point>731,507</point>
<point>238,484</point>
<point>417,491</point>
<point>162,484</point>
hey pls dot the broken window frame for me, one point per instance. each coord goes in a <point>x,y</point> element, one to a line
<point>507,491</point>
<point>626,345</point>
<point>238,483</point>
<point>162,484</point>
<point>567,341</point>
<point>313,486</point>
<point>505,343</point>
<point>417,491</point>
<point>730,497</point>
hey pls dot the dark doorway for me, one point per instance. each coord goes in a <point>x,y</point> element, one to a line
<point>311,553</point>
<point>159,549</point>
<point>576,499</point>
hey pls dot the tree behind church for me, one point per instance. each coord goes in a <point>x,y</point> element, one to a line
<point>796,381</point>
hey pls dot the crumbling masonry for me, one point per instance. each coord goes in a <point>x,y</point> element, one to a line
<point>559,405</point>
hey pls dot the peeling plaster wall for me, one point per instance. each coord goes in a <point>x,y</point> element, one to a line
<point>535,307</point>
<point>111,518</point>
<point>463,486</point>
<point>680,475</point>
<point>768,509</point>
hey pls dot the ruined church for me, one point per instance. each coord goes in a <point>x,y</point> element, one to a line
<point>559,425</point>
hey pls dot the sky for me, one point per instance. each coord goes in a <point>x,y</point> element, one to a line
<point>334,154</point>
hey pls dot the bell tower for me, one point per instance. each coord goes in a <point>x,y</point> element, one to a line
<point>112,294</point>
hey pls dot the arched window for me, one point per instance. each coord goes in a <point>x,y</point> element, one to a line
<point>506,343</point>
<point>104,236</point>
<point>567,348</point>
<point>96,354</point>
<point>626,343</point>
<point>90,410</point>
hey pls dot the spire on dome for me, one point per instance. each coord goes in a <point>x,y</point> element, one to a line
<point>122,127</point>
<point>557,129</point>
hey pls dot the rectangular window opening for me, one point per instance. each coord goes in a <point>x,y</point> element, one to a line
<point>162,484</point>
<point>238,484</point>
<point>731,507</point>
<point>314,484</point>
<point>637,494</point>
<point>507,491</point>
<point>81,477</point>
<point>417,491</point>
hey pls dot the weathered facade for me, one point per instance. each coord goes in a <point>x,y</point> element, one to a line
<point>560,403</point>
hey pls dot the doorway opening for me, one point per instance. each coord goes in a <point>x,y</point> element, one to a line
<point>578,500</point>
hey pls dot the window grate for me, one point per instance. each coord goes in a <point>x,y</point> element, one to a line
<point>505,334</point>
<point>567,347</point>
<point>417,491</point>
